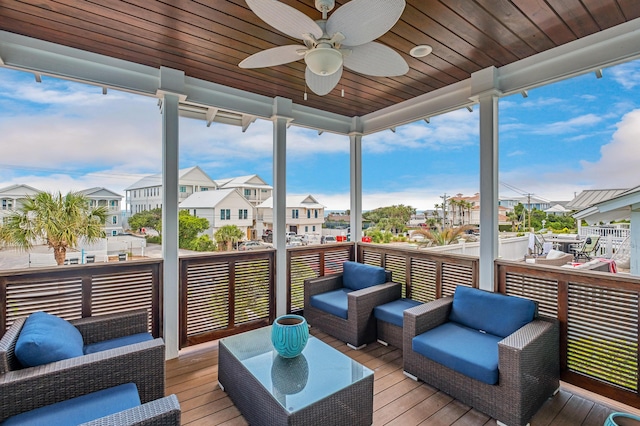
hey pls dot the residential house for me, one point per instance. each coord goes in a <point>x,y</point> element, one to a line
<point>12,198</point>
<point>304,215</point>
<point>590,197</point>
<point>252,187</point>
<point>146,194</point>
<point>465,210</point>
<point>112,201</point>
<point>222,207</point>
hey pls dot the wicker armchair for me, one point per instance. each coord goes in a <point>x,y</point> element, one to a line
<point>23,389</point>
<point>360,326</point>
<point>528,364</point>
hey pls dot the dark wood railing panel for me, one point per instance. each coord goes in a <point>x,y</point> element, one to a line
<point>78,291</point>
<point>425,275</point>
<point>311,262</point>
<point>598,314</point>
<point>225,293</point>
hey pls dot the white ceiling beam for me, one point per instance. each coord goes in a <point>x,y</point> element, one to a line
<point>211,115</point>
<point>246,122</point>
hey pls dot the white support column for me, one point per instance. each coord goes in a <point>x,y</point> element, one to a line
<point>634,238</point>
<point>355,160</point>
<point>172,82</point>
<point>484,88</point>
<point>282,110</point>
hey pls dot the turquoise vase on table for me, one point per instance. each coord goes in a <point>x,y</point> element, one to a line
<point>289,335</point>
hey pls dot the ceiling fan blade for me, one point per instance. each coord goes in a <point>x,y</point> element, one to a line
<point>285,18</point>
<point>362,21</point>
<point>320,84</point>
<point>376,59</point>
<point>274,56</point>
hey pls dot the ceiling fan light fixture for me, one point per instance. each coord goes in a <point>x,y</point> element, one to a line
<point>421,51</point>
<point>323,60</point>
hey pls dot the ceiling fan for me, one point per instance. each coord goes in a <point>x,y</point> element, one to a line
<point>344,39</point>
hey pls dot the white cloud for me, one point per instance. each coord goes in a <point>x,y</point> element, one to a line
<point>568,126</point>
<point>619,159</point>
<point>627,75</point>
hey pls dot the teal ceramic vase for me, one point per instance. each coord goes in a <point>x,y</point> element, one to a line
<point>622,419</point>
<point>289,335</point>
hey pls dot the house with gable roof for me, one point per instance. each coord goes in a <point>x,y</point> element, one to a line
<point>12,198</point>
<point>222,207</point>
<point>252,187</point>
<point>146,193</point>
<point>304,215</point>
<point>103,197</point>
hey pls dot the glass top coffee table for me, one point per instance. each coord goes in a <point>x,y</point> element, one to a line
<point>320,386</point>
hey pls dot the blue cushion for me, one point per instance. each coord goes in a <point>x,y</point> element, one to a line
<point>117,342</point>
<point>45,338</point>
<point>462,349</point>
<point>333,302</point>
<point>357,276</point>
<point>80,409</point>
<point>393,312</point>
<point>494,313</point>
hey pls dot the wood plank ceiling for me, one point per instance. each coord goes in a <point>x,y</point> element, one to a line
<point>208,38</point>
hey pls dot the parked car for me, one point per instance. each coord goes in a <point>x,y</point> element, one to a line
<point>295,242</point>
<point>329,239</point>
<point>252,245</point>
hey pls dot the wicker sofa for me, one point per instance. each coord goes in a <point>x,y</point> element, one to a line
<point>358,327</point>
<point>24,389</point>
<point>527,371</point>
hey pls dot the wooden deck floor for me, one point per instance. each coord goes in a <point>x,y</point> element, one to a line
<point>397,399</point>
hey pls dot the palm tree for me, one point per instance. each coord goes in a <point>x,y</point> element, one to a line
<point>227,235</point>
<point>59,220</point>
<point>440,237</point>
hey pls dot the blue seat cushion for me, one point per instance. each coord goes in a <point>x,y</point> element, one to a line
<point>333,302</point>
<point>465,350</point>
<point>494,313</point>
<point>46,338</point>
<point>80,409</point>
<point>356,276</point>
<point>393,312</point>
<point>117,342</point>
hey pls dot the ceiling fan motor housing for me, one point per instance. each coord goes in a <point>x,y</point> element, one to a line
<point>325,5</point>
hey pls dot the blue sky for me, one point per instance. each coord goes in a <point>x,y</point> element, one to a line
<point>583,133</point>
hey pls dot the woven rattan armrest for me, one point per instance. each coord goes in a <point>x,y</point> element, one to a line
<point>313,286</point>
<point>161,412</point>
<point>368,298</point>
<point>105,327</point>
<point>424,317</point>
<point>140,363</point>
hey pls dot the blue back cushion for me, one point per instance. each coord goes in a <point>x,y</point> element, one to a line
<point>334,302</point>
<point>393,312</point>
<point>46,338</point>
<point>462,349</point>
<point>80,409</point>
<point>117,342</point>
<point>494,313</point>
<point>357,276</point>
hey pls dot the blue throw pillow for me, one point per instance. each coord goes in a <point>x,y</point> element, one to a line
<point>357,276</point>
<point>494,313</point>
<point>45,338</point>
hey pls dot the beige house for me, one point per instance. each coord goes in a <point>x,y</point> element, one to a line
<point>252,187</point>
<point>12,197</point>
<point>304,215</point>
<point>113,202</point>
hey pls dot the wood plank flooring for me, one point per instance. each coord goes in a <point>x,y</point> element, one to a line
<point>397,399</point>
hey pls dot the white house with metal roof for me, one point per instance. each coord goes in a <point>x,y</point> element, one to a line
<point>103,197</point>
<point>222,207</point>
<point>146,194</point>
<point>304,215</point>
<point>252,187</point>
<point>12,198</point>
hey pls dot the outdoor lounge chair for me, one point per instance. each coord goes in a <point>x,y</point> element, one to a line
<point>488,350</point>
<point>587,249</point>
<point>143,363</point>
<point>342,304</point>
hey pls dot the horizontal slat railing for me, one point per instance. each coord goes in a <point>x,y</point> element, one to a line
<point>225,293</point>
<point>78,291</point>
<point>426,275</point>
<point>311,262</point>
<point>598,314</point>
